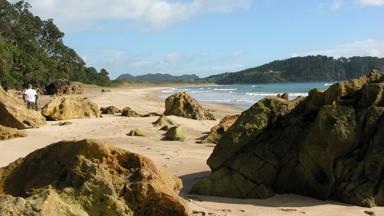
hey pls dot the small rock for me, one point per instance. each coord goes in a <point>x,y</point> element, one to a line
<point>111,110</point>
<point>136,132</point>
<point>175,133</point>
<point>128,112</point>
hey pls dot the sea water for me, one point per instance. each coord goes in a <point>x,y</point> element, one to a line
<point>246,95</point>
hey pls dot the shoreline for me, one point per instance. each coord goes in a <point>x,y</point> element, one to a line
<point>187,160</point>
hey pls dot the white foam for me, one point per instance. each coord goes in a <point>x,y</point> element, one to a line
<point>229,89</point>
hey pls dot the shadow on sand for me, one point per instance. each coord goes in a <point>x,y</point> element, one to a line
<point>279,200</point>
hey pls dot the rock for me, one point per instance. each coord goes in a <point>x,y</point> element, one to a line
<point>175,133</point>
<point>106,90</point>
<point>151,114</point>
<point>163,121</point>
<point>343,90</point>
<point>165,128</point>
<point>328,145</point>
<point>218,131</point>
<point>88,177</point>
<point>64,87</point>
<point>182,104</point>
<point>10,133</point>
<point>13,113</point>
<point>136,132</point>
<point>128,112</point>
<point>63,123</point>
<point>70,107</point>
<point>111,110</point>
<point>372,95</point>
<point>285,96</point>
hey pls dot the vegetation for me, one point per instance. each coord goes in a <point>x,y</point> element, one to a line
<point>32,51</point>
<point>159,78</point>
<point>303,69</point>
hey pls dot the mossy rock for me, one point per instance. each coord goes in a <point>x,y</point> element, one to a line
<point>175,133</point>
<point>328,145</point>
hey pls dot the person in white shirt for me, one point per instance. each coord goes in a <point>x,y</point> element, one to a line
<point>30,97</point>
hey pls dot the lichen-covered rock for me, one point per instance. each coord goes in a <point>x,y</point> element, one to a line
<point>136,132</point>
<point>88,177</point>
<point>111,110</point>
<point>128,112</point>
<point>182,104</point>
<point>175,133</point>
<point>217,131</point>
<point>13,113</point>
<point>164,121</point>
<point>70,107</point>
<point>9,133</point>
<point>64,87</point>
<point>328,146</point>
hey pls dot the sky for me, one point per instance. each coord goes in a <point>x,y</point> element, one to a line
<point>207,37</point>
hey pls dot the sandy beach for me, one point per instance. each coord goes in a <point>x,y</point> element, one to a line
<point>185,159</point>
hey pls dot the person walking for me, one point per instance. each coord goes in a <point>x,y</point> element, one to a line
<point>30,97</point>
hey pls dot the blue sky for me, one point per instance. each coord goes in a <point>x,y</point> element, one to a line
<point>206,37</point>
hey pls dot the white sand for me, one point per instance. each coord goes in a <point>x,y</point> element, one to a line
<point>184,159</point>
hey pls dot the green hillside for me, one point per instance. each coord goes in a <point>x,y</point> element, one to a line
<point>32,51</point>
<point>303,69</point>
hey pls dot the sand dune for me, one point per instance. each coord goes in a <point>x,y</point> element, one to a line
<point>184,159</point>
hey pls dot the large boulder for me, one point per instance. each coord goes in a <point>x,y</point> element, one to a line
<point>182,104</point>
<point>88,177</point>
<point>110,110</point>
<point>64,87</point>
<point>70,107</point>
<point>13,113</point>
<point>128,112</point>
<point>328,146</point>
<point>9,133</point>
<point>217,131</point>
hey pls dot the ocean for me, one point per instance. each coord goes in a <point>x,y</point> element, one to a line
<point>245,95</point>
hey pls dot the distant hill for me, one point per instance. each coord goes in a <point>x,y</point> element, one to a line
<point>159,78</point>
<point>302,69</point>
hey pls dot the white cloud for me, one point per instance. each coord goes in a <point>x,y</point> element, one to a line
<point>371,2</point>
<point>369,47</point>
<point>336,4</point>
<point>77,15</point>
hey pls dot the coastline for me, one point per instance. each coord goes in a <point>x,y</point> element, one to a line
<point>184,159</point>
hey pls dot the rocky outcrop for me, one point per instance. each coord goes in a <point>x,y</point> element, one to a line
<point>217,132</point>
<point>328,145</point>
<point>111,110</point>
<point>70,107</point>
<point>10,133</point>
<point>88,177</point>
<point>13,113</point>
<point>182,104</point>
<point>175,133</point>
<point>64,87</point>
<point>128,112</point>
